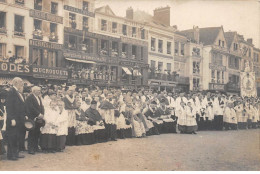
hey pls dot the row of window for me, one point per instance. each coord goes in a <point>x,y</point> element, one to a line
<point>178,67</point>
<point>73,21</point>
<point>19,53</point>
<point>126,30</point>
<point>38,4</point>
<point>90,45</point>
<point>160,47</point>
<point>19,27</point>
<point>38,31</point>
<point>233,63</point>
<point>217,76</point>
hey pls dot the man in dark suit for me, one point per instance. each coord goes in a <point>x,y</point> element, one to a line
<point>35,109</point>
<point>16,114</point>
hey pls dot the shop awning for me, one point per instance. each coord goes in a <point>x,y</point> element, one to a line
<point>137,73</point>
<point>127,71</point>
<point>81,61</point>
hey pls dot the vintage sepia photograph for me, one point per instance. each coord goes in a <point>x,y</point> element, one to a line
<point>129,85</point>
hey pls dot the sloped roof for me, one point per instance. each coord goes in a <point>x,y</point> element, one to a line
<point>209,35</point>
<point>229,37</point>
<point>106,10</point>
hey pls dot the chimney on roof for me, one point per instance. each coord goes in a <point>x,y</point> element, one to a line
<point>250,40</point>
<point>130,13</point>
<point>162,15</point>
<point>196,32</point>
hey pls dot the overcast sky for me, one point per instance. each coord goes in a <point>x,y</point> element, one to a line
<point>242,16</point>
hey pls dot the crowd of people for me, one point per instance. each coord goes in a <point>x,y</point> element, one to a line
<point>67,115</point>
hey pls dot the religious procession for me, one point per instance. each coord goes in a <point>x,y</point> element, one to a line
<point>59,116</point>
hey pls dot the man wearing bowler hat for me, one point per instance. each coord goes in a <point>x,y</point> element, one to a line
<point>35,111</point>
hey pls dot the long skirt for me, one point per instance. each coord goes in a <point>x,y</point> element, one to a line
<point>111,131</point>
<point>249,123</point>
<point>85,139</point>
<point>190,129</point>
<point>182,128</point>
<point>121,133</point>
<point>71,139</point>
<point>242,125</point>
<point>48,142</point>
<point>100,135</point>
<point>169,127</point>
<point>128,133</point>
<point>254,125</point>
<point>60,142</point>
<point>218,122</point>
<point>208,124</point>
<point>158,127</point>
<point>201,124</point>
<point>2,147</point>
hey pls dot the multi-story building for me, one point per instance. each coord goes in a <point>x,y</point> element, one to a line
<point>46,43</point>
<point>14,38</point>
<point>194,68</point>
<point>122,42</point>
<point>215,56</point>
<point>256,65</point>
<point>234,62</point>
<point>164,74</point>
<point>79,50</point>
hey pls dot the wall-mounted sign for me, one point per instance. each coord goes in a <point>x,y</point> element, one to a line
<point>13,68</point>
<point>133,41</point>
<point>217,87</point>
<point>50,72</point>
<point>77,10</point>
<point>81,56</point>
<point>217,67</point>
<point>46,16</point>
<point>132,64</point>
<point>43,44</point>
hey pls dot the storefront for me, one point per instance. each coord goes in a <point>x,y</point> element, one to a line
<point>10,70</point>
<point>46,54</point>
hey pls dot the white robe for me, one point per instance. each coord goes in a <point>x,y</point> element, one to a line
<point>62,123</point>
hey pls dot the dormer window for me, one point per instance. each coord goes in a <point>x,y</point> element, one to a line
<point>235,46</point>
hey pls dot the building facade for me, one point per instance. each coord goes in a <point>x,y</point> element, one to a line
<point>72,42</point>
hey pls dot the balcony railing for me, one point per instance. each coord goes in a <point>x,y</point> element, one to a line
<point>19,33</point>
<point>233,87</point>
<point>53,38</point>
<point>19,2</point>
<point>37,34</point>
<point>3,30</point>
<point>169,77</point>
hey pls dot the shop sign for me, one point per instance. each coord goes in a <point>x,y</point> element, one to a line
<point>77,10</point>
<point>215,86</point>
<point>100,36</point>
<point>50,72</point>
<point>43,44</point>
<point>132,64</point>
<point>81,56</point>
<point>217,67</point>
<point>73,31</point>
<point>46,16</point>
<point>133,41</point>
<point>13,68</point>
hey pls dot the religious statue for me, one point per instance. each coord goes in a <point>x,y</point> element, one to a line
<point>247,67</point>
